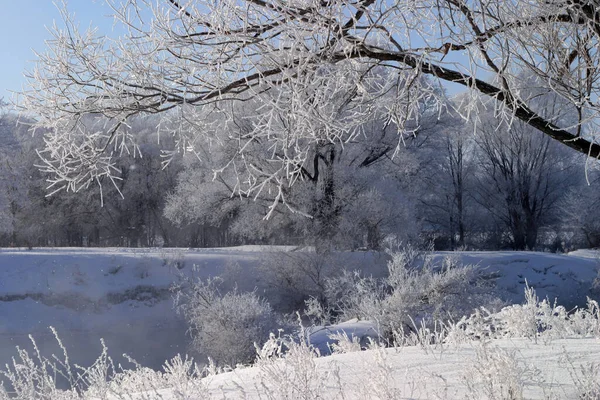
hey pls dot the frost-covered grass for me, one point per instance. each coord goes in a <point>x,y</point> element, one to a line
<point>33,376</point>
<point>502,363</point>
<point>415,291</point>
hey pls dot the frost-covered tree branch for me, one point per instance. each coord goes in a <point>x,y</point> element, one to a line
<point>328,66</point>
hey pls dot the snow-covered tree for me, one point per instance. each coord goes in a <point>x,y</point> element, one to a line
<point>446,173</point>
<point>28,216</point>
<point>181,60</point>
<point>521,177</point>
<point>350,193</point>
<point>17,158</point>
<point>581,219</point>
<point>134,217</point>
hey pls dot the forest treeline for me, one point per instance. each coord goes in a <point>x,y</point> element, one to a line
<point>485,184</point>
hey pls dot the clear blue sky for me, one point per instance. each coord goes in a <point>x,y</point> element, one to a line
<point>23,26</point>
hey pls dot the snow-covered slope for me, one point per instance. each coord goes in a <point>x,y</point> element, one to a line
<point>568,278</point>
<point>95,272</point>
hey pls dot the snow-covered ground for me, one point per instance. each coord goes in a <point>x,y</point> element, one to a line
<point>567,277</point>
<point>122,295</point>
<point>545,371</point>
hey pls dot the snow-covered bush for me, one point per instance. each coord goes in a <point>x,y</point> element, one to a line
<point>416,289</point>
<point>585,377</point>
<point>595,290</point>
<point>496,374</point>
<point>180,377</point>
<point>380,376</point>
<point>225,326</point>
<point>534,320</point>
<point>342,343</point>
<point>33,376</point>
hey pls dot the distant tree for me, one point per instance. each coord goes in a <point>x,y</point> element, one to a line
<point>16,165</point>
<point>133,211</point>
<point>522,175</point>
<point>447,172</point>
<point>581,205</point>
<point>28,216</point>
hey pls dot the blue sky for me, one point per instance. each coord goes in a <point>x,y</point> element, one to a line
<point>23,26</point>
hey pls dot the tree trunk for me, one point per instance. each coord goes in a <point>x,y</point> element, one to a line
<point>460,215</point>
<point>517,228</point>
<point>373,237</point>
<point>326,218</point>
<point>531,233</point>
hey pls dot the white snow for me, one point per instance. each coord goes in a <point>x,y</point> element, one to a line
<point>417,374</point>
<point>567,278</point>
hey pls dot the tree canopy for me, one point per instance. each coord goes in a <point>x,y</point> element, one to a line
<point>322,69</point>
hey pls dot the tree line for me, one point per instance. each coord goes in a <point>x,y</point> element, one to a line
<point>486,183</point>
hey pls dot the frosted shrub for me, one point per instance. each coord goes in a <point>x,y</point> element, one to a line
<point>414,288</point>
<point>225,327</point>
<point>33,378</point>
<point>449,290</point>
<point>351,295</point>
<point>529,319</point>
<point>317,312</point>
<point>342,343</point>
<point>380,376</point>
<point>293,373</point>
<point>181,377</point>
<point>497,374</point>
<point>585,376</point>
<point>595,289</point>
<point>586,322</point>
<point>586,379</point>
<point>477,326</point>
<point>534,319</point>
<point>36,377</point>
